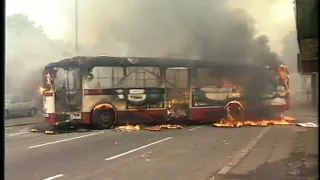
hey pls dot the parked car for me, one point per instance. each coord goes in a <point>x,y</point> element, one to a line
<point>19,105</point>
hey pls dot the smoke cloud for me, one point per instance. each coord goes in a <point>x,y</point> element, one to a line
<point>164,28</point>
<point>290,51</point>
<point>206,29</point>
<point>28,50</point>
<point>299,84</point>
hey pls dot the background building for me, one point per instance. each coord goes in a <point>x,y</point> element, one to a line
<point>307,23</point>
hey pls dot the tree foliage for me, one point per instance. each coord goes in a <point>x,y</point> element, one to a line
<point>28,49</point>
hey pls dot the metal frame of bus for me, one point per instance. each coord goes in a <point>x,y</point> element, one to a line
<point>103,99</point>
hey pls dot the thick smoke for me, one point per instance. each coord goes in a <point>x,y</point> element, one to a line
<point>206,29</point>
<point>164,28</point>
<point>299,84</point>
<point>290,51</point>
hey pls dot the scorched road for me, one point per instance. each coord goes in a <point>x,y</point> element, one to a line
<point>193,153</point>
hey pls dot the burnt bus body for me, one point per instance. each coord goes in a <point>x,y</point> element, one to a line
<point>257,89</point>
<point>104,91</point>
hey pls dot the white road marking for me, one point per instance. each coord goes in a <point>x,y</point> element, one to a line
<point>64,140</point>
<point>137,149</point>
<point>236,159</point>
<point>195,128</point>
<point>54,177</point>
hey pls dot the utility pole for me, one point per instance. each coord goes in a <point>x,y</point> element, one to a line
<point>76,27</point>
<point>75,85</point>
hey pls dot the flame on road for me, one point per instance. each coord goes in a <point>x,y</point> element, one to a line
<point>128,128</point>
<point>237,119</point>
<point>287,118</point>
<point>163,127</point>
<point>131,128</point>
<point>234,123</point>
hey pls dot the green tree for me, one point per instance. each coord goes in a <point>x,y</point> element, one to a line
<point>27,50</point>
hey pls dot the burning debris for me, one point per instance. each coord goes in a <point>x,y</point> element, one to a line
<point>163,127</point>
<point>287,118</point>
<point>50,132</point>
<point>130,128</point>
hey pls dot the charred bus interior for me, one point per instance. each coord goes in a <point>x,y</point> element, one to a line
<point>124,79</point>
<point>65,83</point>
<point>178,93</point>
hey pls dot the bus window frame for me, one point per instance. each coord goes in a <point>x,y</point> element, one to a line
<point>125,74</point>
<point>166,82</point>
<point>160,79</point>
<point>196,79</point>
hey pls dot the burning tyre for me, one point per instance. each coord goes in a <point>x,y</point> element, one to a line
<point>234,111</point>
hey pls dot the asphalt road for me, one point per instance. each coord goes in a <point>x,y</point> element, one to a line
<point>24,120</point>
<point>193,153</point>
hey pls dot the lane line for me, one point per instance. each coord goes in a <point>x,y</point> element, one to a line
<point>16,134</point>
<point>54,177</point>
<point>241,154</point>
<point>137,149</point>
<point>64,140</point>
<point>195,128</point>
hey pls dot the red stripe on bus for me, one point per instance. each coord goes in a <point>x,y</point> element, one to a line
<point>205,113</point>
<point>52,119</point>
<point>86,117</point>
<point>47,93</point>
<point>93,92</point>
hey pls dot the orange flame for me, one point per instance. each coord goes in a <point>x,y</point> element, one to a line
<point>231,120</point>
<point>284,75</point>
<point>163,127</point>
<point>224,123</point>
<point>287,118</point>
<point>41,90</point>
<point>128,128</point>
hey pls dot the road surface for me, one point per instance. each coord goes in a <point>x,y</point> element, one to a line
<point>193,153</point>
<point>24,120</point>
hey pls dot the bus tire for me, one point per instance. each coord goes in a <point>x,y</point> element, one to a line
<point>103,118</point>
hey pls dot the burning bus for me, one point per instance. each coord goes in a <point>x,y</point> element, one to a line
<point>103,91</point>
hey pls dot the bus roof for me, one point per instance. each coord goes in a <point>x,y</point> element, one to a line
<point>89,61</point>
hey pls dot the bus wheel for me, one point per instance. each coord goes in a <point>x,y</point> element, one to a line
<point>236,112</point>
<point>103,118</point>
